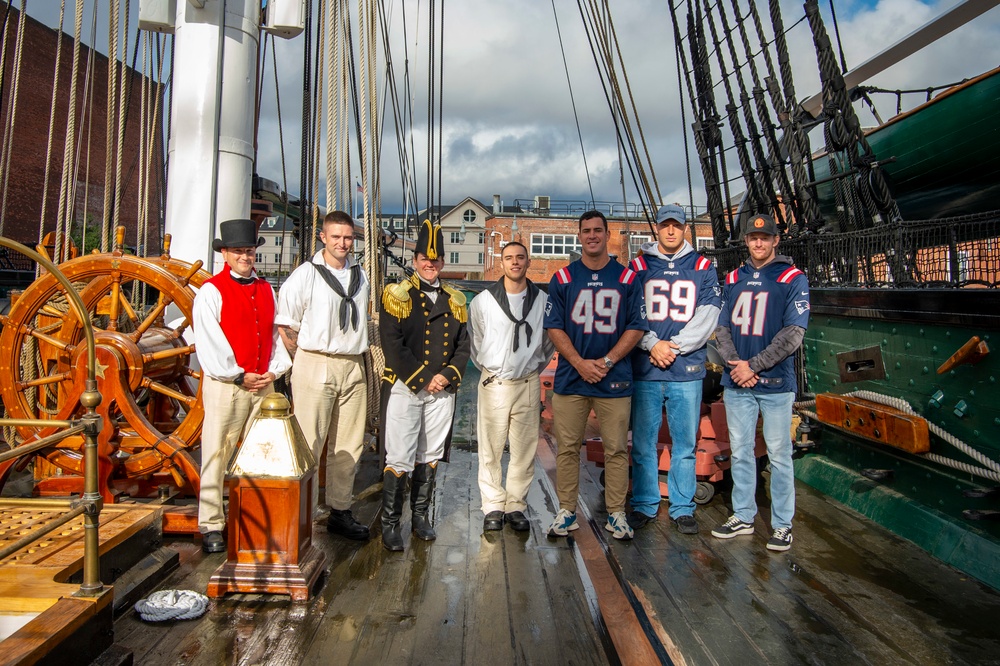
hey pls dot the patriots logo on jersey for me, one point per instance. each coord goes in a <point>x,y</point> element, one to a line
<point>801,306</point>
<point>718,290</point>
<point>548,307</point>
<point>642,310</point>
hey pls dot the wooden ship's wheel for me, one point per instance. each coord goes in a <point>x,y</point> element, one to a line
<point>152,413</point>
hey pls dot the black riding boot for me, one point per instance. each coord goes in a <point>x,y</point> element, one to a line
<point>393,493</point>
<point>421,492</point>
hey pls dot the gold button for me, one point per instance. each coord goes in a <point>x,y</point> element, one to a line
<point>446,335</point>
<point>446,324</point>
<point>428,351</point>
<point>426,363</point>
<point>421,380</point>
<point>426,313</point>
<point>445,344</point>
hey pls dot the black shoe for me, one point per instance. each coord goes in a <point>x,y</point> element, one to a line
<point>637,520</point>
<point>517,521</point>
<point>213,542</point>
<point>493,521</point>
<point>686,524</point>
<point>344,524</point>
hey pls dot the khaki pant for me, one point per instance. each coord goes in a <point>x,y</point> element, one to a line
<point>228,410</point>
<point>331,400</point>
<point>508,411</point>
<point>569,415</point>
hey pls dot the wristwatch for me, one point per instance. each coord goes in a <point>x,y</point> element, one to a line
<point>608,363</point>
<point>239,379</point>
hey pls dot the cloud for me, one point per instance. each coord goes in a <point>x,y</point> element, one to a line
<point>508,123</point>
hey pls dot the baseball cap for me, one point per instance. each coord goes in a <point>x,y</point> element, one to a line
<point>761,224</point>
<point>671,212</point>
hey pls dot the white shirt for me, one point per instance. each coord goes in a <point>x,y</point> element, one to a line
<point>492,334</point>
<point>307,304</point>
<point>215,355</point>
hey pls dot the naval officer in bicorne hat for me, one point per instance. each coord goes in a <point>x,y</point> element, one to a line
<point>423,330</point>
<point>240,356</point>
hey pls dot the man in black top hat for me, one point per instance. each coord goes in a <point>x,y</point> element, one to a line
<point>240,357</point>
<point>423,330</point>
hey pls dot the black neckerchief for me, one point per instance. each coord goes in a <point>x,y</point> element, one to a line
<point>428,289</point>
<point>242,280</point>
<point>499,291</point>
<point>347,303</point>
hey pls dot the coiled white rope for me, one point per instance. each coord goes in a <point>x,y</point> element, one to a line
<point>990,469</point>
<point>172,605</point>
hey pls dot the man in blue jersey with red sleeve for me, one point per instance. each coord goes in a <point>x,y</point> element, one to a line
<point>681,291</point>
<point>594,317</point>
<point>765,312</point>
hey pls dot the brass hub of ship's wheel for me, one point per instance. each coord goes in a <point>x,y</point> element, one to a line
<point>151,407</point>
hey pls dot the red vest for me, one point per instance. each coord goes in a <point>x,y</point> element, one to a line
<point>247,320</point>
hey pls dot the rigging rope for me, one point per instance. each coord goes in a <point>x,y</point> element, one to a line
<point>52,124</point>
<point>8,130</point>
<point>572,99</point>
<point>64,219</point>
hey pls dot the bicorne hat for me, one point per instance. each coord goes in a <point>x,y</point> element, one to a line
<point>237,233</point>
<point>430,241</point>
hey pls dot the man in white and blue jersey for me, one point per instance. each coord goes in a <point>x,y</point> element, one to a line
<point>681,291</point>
<point>765,312</point>
<point>594,316</point>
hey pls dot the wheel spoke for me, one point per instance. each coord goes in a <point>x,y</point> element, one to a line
<point>50,379</point>
<point>161,305</point>
<point>179,331</point>
<point>168,353</point>
<point>114,304</point>
<point>167,391</point>
<point>36,333</point>
<point>192,373</point>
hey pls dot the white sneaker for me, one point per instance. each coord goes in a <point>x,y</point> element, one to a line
<point>618,526</point>
<point>564,523</point>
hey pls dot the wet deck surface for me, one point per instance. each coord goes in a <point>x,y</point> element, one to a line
<point>847,592</point>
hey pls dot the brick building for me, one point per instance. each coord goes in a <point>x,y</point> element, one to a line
<point>22,201</point>
<point>551,238</point>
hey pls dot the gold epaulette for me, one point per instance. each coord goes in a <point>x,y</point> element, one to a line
<point>396,299</point>
<point>457,301</point>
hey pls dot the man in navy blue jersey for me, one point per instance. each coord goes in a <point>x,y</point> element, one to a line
<point>681,292</point>
<point>765,312</point>
<point>594,317</point>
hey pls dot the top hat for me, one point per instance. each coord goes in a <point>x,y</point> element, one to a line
<point>761,224</point>
<point>671,212</point>
<point>430,241</point>
<point>237,233</point>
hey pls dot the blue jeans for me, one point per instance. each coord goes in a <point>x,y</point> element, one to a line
<point>683,401</point>
<point>742,406</point>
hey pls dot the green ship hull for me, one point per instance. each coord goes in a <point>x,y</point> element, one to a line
<point>914,331</point>
<point>941,159</point>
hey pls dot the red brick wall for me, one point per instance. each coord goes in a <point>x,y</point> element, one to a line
<point>23,200</point>
<point>543,267</point>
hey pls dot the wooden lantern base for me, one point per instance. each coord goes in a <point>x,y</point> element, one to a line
<point>270,539</point>
<point>296,580</point>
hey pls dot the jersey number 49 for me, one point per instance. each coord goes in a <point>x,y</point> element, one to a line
<point>597,311</point>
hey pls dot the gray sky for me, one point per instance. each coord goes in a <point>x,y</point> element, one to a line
<point>509,127</point>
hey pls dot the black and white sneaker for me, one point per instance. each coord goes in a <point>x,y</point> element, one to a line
<point>781,539</point>
<point>733,527</point>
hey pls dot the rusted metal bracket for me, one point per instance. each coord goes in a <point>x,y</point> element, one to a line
<point>874,421</point>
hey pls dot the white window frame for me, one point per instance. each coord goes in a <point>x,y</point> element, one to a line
<point>557,245</point>
<point>454,258</point>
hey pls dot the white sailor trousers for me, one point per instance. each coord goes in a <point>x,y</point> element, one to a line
<point>330,397</point>
<point>508,410</point>
<point>228,410</point>
<point>416,426</point>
